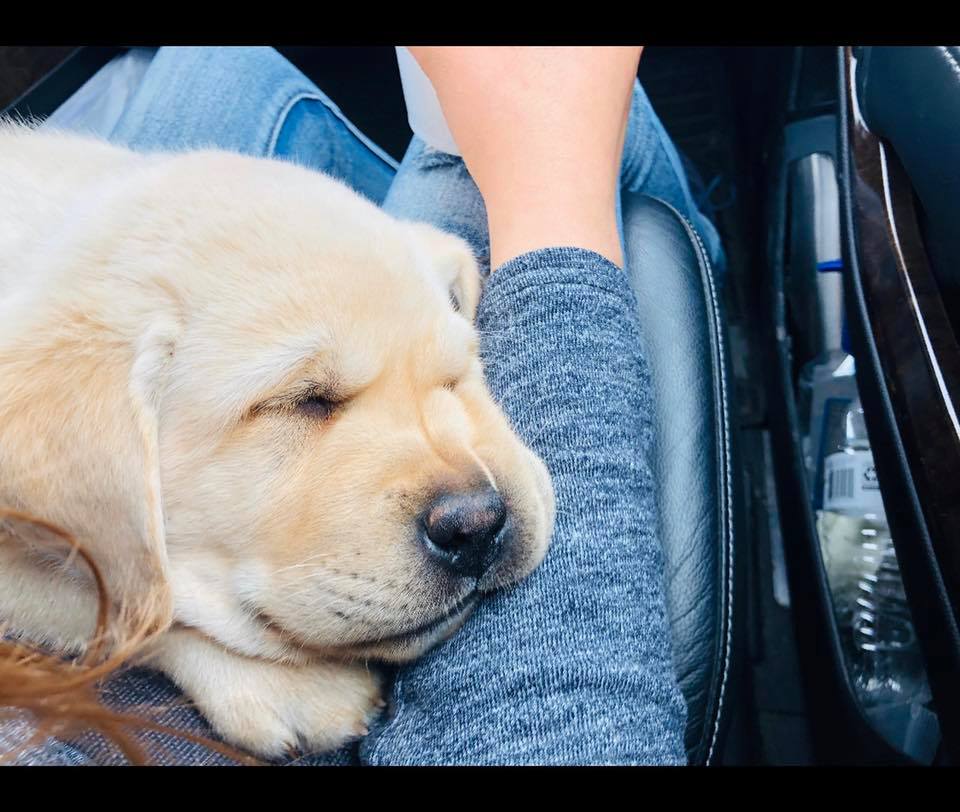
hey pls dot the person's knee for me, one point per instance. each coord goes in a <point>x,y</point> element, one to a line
<point>227,97</point>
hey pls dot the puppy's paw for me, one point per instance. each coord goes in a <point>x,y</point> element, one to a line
<point>273,709</point>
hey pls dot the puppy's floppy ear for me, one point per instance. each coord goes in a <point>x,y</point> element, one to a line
<point>453,260</point>
<point>79,449</point>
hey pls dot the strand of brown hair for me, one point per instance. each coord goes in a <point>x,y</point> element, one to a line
<point>59,696</point>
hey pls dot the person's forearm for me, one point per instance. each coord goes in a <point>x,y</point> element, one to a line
<point>522,218</point>
<point>541,130</point>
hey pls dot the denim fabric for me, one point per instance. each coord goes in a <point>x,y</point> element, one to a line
<point>250,100</point>
<point>573,665</point>
<point>98,105</point>
<point>17,747</point>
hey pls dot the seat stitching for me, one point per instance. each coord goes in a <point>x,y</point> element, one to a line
<point>726,490</point>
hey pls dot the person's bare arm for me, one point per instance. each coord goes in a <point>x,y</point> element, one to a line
<point>541,131</point>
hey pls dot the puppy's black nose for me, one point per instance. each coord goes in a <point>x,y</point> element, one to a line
<point>461,530</point>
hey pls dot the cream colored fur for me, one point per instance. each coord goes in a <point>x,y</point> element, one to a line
<point>164,320</point>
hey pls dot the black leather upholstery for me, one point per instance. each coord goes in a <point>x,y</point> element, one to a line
<point>685,343</point>
<point>910,96</point>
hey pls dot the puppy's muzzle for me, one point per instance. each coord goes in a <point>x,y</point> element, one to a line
<point>465,532</point>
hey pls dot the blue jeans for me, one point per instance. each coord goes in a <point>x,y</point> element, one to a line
<point>251,100</point>
<point>626,699</point>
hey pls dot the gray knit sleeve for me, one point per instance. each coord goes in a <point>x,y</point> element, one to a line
<point>573,665</point>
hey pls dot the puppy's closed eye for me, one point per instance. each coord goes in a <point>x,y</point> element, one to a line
<point>317,406</point>
<point>311,399</point>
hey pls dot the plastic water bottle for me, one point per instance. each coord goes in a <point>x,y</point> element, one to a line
<point>826,386</point>
<point>865,576</point>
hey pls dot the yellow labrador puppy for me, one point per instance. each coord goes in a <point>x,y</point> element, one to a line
<point>256,400</point>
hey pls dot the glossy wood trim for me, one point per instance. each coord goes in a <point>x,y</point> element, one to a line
<point>918,350</point>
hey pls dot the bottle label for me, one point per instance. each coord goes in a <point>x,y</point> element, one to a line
<point>850,483</point>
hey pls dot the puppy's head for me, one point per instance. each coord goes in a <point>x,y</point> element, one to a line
<point>335,475</point>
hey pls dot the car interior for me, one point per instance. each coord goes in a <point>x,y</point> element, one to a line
<point>807,448</point>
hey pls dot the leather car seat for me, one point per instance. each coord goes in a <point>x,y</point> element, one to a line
<point>685,342</point>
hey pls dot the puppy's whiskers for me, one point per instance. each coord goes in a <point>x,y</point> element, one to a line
<point>307,562</point>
